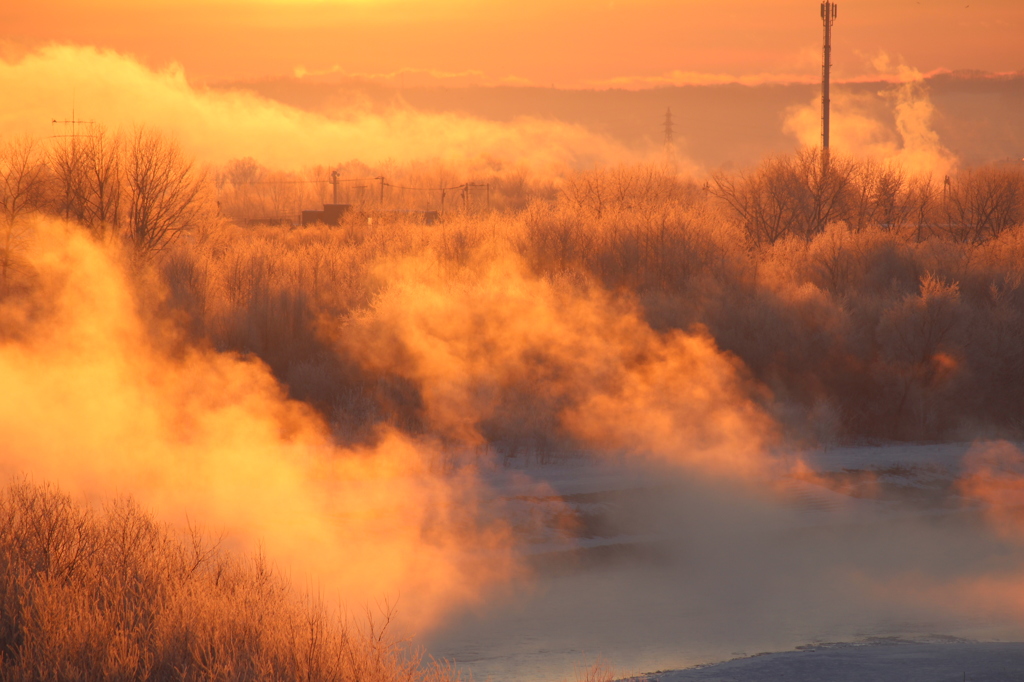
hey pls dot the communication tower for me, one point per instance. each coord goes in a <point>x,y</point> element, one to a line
<point>828,17</point>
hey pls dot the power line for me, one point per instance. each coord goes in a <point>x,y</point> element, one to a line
<point>298,182</point>
<point>281,182</point>
<point>386,184</point>
<point>431,189</point>
<point>465,187</point>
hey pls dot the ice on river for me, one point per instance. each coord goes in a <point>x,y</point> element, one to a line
<point>669,572</point>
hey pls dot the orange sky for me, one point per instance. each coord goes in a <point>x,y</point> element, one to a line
<point>568,43</point>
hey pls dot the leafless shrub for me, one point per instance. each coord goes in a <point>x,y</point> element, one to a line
<point>826,315</point>
<point>800,195</point>
<point>23,189</point>
<point>23,179</point>
<point>598,671</point>
<point>883,195</point>
<point>981,203</point>
<point>112,595</point>
<point>249,193</point>
<point>635,189</point>
<point>915,333</point>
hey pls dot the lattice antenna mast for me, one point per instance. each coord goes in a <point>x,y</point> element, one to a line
<point>73,123</point>
<point>669,127</point>
<point>828,17</point>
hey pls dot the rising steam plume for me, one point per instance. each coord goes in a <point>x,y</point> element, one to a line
<point>102,404</point>
<point>103,400</point>
<point>104,396</point>
<point>911,142</point>
<point>117,91</point>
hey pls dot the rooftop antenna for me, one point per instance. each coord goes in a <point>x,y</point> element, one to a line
<point>828,17</point>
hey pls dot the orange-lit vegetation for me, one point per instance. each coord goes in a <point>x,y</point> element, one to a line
<point>111,594</point>
<point>870,304</point>
<point>867,303</point>
<point>103,395</point>
<point>626,310</point>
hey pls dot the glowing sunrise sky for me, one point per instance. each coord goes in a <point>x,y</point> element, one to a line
<point>568,43</point>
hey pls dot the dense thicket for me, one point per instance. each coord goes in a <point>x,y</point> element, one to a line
<point>109,594</point>
<point>872,304</point>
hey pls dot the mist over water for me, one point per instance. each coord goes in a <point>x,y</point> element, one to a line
<point>102,401</point>
<point>595,416</point>
<point>707,571</point>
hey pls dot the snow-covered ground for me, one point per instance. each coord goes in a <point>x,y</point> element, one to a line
<point>667,572</point>
<point>885,660</point>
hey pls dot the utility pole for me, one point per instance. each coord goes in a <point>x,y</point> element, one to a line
<point>334,181</point>
<point>381,178</point>
<point>828,17</point>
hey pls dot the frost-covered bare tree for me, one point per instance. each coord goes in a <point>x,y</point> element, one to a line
<point>23,185</point>
<point>23,179</point>
<point>101,168</point>
<point>788,195</point>
<point>886,196</point>
<point>251,194</point>
<point>163,191</point>
<point>138,187</point>
<point>982,203</point>
<point>758,200</point>
<point>87,170</point>
<point>800,195</point>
